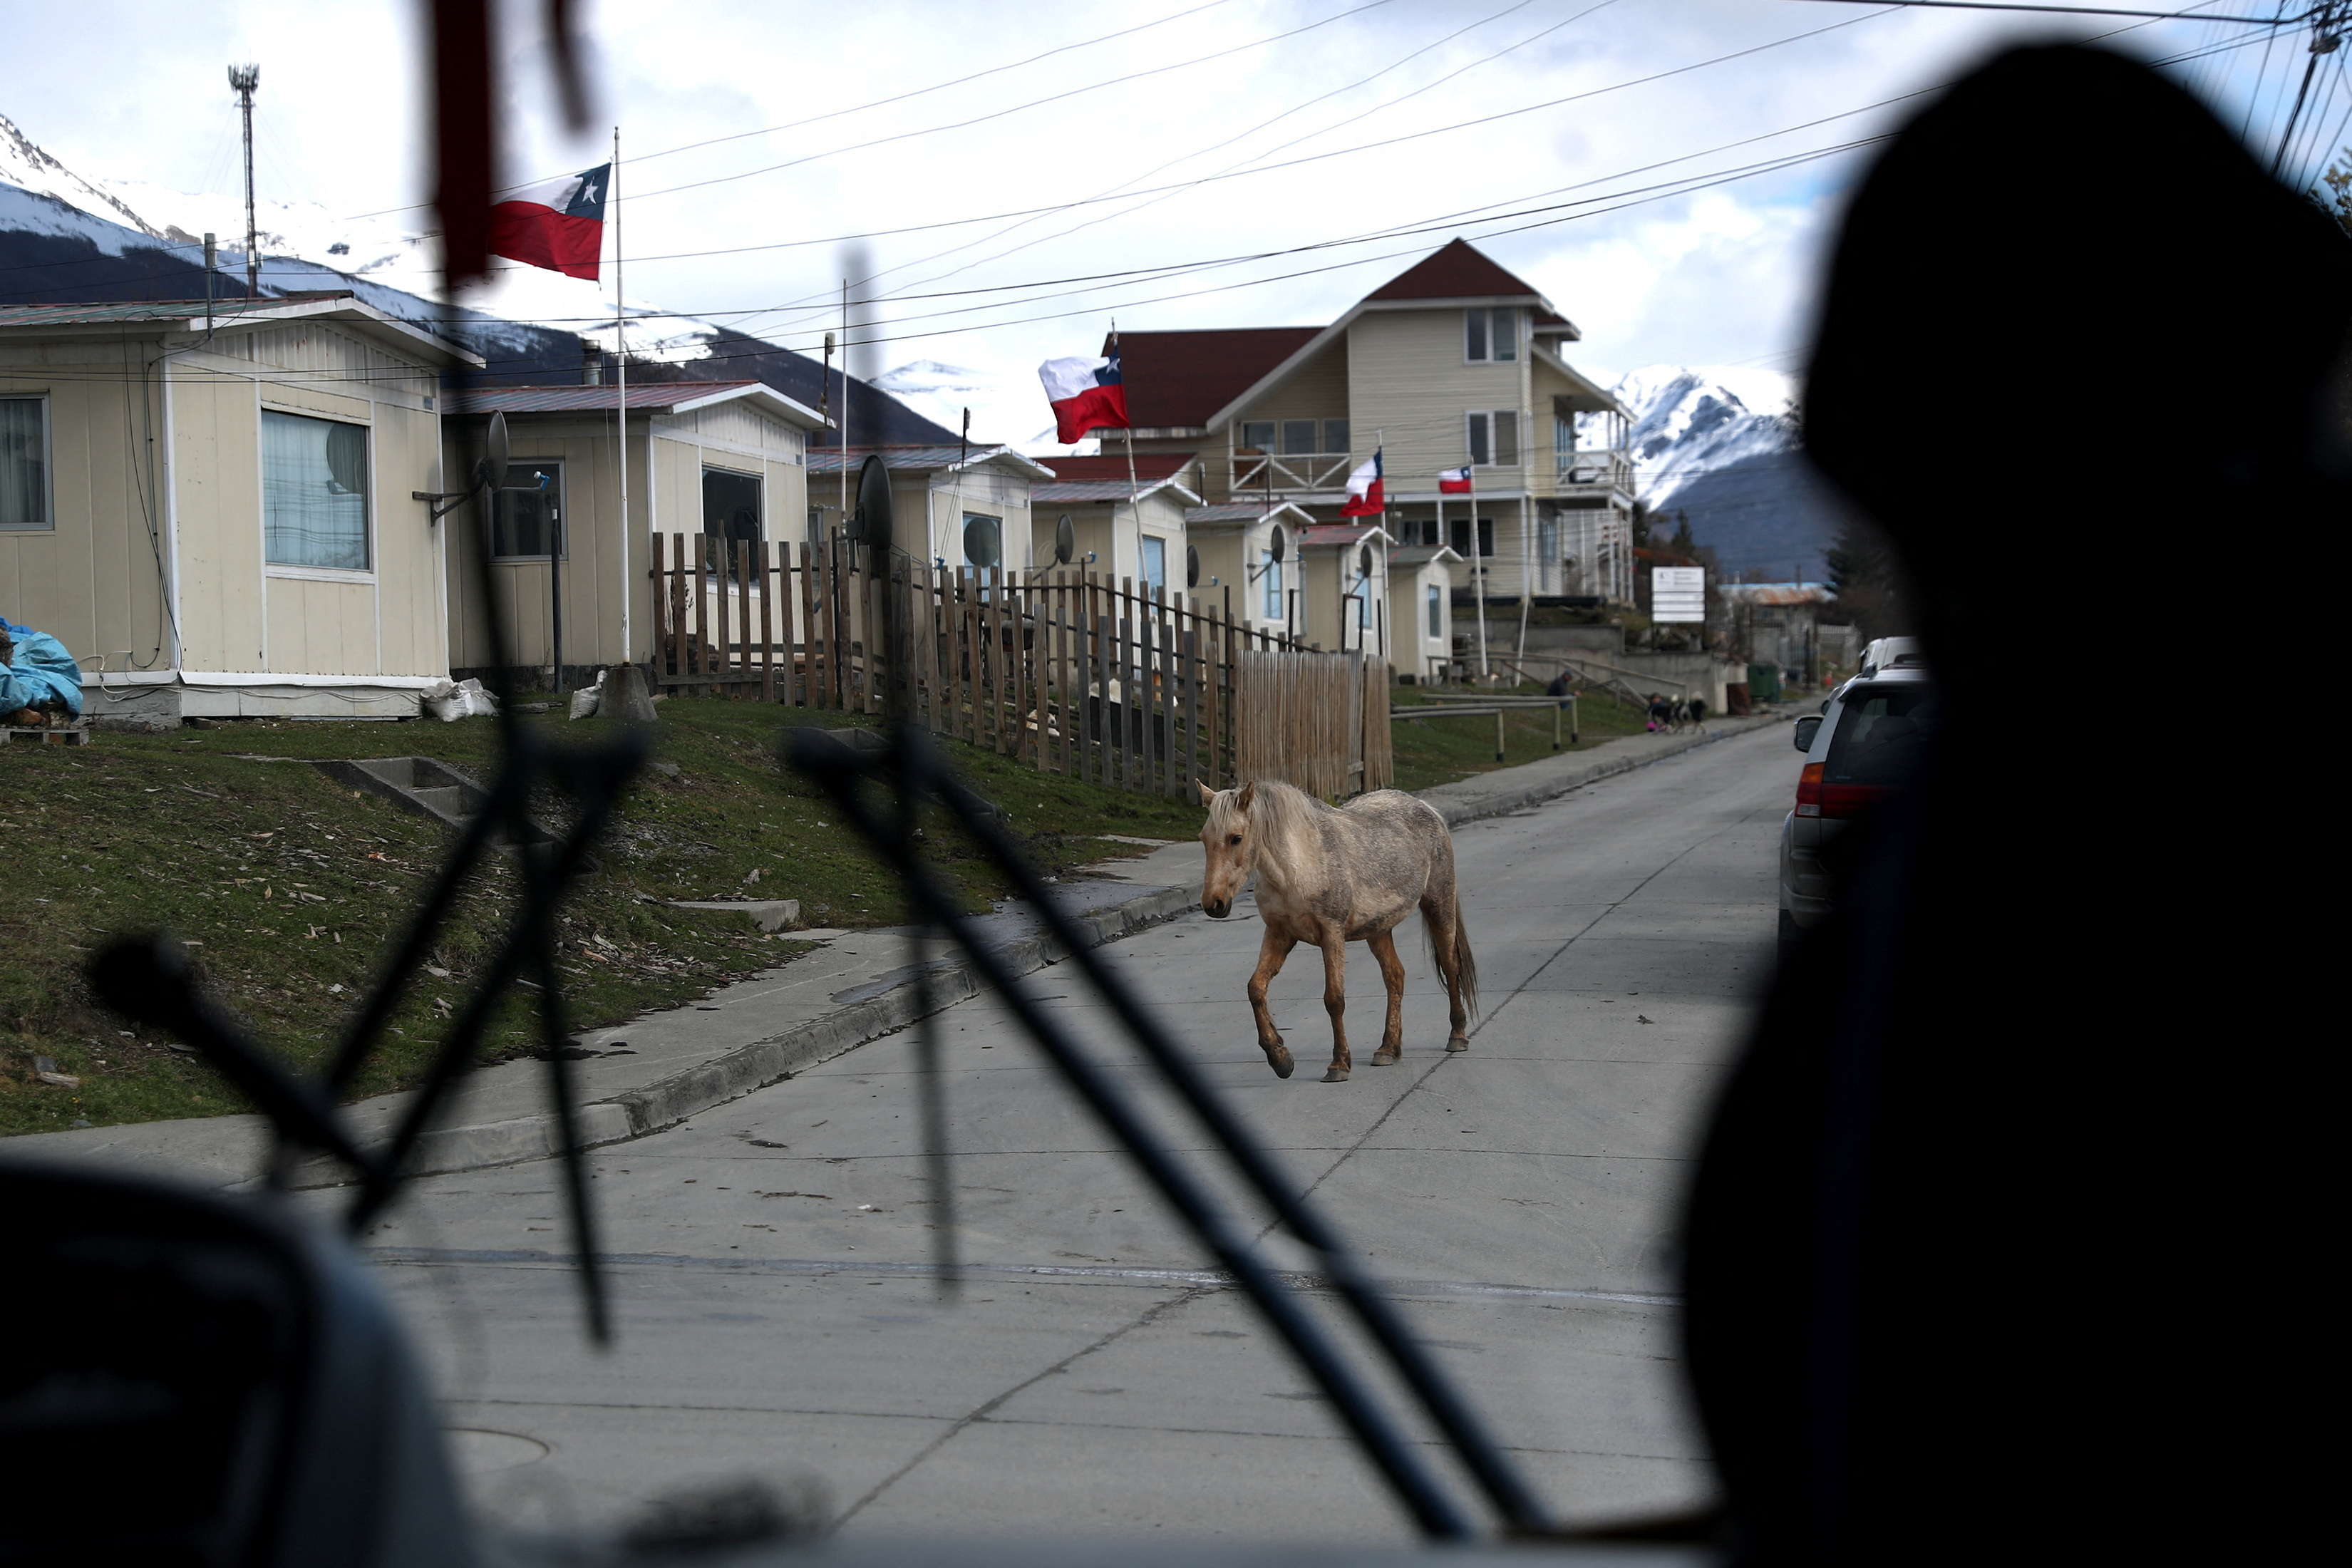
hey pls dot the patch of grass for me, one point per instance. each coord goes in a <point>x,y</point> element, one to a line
<point>290,887</point>
<point>1438,750</point>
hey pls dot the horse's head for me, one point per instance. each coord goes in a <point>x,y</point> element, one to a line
<point>1232,844</point>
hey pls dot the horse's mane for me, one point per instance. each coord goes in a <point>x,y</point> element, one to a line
<point>1284,817</point>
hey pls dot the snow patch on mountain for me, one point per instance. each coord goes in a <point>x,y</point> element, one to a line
<point>1692,420</point>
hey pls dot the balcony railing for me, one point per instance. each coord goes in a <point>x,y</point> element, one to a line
<point>1262,471</point>
<point>1597,466</point>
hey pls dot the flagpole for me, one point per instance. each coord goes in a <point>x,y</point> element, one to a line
<point>1134,489</point>
<point>621,366</point>
<point>1441,544</point>
<point>845,406</point>
<point>1478,568</point>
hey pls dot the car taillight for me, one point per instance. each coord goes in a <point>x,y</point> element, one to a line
<point>1849,800</point>
<point>1808,790</point>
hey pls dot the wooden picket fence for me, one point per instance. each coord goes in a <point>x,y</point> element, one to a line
<point>1080,675</point>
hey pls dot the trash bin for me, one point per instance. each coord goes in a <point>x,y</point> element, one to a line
<point>1764,683</point>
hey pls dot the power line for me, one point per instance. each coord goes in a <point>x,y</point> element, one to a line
<point>854,109</point>
<point>2074,11</point>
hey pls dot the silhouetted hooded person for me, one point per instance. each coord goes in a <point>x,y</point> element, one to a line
<point>1997,1243</point>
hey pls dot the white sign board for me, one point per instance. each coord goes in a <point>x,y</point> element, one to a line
<point>1678,594</point>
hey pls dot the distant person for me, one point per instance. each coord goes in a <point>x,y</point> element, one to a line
<point>1662,712</point>
<point>1558,686</point>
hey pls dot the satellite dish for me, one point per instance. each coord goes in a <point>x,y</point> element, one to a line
<point>1364,562</point>
<point>499,450</point>
<point>1191,567</point>
<point>1065,540</point>
<point>871,526</point>
<point>1280,548</point>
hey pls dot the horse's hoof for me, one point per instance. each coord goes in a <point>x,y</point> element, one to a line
<point>1336,1074</point>
<point>1458,1043</point>
<point>1386,1056</point>
<point>1279,1059</point>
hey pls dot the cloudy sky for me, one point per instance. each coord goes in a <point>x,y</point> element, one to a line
<point>1666,170</point>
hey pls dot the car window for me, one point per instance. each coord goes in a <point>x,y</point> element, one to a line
<point>1880,736</point>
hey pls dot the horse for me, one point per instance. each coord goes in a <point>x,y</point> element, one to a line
<point>1330,876</point>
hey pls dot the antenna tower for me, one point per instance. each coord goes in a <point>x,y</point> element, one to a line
<point>243,79</point>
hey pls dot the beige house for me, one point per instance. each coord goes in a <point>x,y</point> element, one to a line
<point>1239,573</point>
<point>1343,587</point>
<point>216,515</point>
<point>972,504</point>
<point>1125,528</point>
<point>1455,363</point>
<point>1421,595</point>
<point>727,459</point>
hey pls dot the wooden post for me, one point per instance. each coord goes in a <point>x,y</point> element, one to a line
<point>1148,709</point>
<point>1123,599</point>
<point>806,662</point>
<point>657,624</point>
<point>1098,681</point>
<point>1498,734</point>
<point>1192,705</point>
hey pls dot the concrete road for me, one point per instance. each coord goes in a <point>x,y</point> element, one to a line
<point>778,1316</point>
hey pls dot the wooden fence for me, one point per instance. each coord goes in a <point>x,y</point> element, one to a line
<point>1074,672</point>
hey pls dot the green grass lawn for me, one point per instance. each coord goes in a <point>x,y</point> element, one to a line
<point>1438,750</point>
<point>290,888</point>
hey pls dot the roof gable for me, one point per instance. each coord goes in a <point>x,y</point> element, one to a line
<point>1114,466</point>
<point>1177,380</point>
<point>1455,270</point>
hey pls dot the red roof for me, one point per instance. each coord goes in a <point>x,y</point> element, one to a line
<point>1180,378</point>
<point>1148,465</point>
<point>1458,270</point>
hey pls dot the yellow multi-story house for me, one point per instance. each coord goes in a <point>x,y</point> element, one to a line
<point>1453,364</point>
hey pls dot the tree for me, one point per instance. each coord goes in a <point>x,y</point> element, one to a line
<point>1868,581</point>
<point>2335,201</point>
<point>1640,525</point>
<point>1683,543</point>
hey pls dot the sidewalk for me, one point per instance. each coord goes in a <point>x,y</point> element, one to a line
<point>656,1072</point>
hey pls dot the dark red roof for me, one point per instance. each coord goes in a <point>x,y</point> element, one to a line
<point>1458,270</point>
<point>1181,378</point>
<point>1148,465</point>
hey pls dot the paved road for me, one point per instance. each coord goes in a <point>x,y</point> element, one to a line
<point>777,1319</point>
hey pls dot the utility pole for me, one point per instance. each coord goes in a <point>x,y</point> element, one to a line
<point>243,79</point>
<point>2326,36</point>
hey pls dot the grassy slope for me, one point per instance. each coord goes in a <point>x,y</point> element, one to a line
<point>1435,751</point>
<point>290,887</point>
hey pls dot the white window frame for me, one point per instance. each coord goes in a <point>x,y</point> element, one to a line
<point>1143,563</point>
<point>49,521</point>
<point>1483,427</point>
<point>1436,611</point>
<point>297,570</point>
<point>1485,319</point>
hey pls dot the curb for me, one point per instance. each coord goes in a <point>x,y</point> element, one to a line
<point>667,1102</point>
<point>1456,813</point>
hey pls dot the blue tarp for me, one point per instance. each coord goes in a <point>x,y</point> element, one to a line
<point>38,670</point>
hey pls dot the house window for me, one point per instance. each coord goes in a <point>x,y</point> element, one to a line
<point>1257,435</point>
<point>1459,527</point>
<point>1155,564</point>
<point>1335,436</point>
<point>817,525</point>
<point>1298,436</point>
<point>1490,336</point>
<point>529,527</point>
<point>1270,573</point>
<point>984,541</point>
<point>25,464</point>
<point>1436,611</point>
<point>1563,441</point>
<point>1494,437</point>
<point>731,505</point>
<point>314,475</point>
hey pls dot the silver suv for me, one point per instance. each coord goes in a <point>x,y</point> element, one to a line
<point>1862,746</point>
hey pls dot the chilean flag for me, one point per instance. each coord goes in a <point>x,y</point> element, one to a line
<point>1364,491</point>
<point>556,224</point>
<point>1455,481</point>
<point>1087,395</point>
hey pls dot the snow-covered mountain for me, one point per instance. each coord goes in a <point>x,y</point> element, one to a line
<point>1716,443</point>
<point>65,237</point>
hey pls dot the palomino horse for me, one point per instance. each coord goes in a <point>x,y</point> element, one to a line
<point>1330,876</point>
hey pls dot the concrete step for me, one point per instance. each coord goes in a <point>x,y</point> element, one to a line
<point>426,786</point>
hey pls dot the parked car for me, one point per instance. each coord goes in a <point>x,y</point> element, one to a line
<point>1864,744</point>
